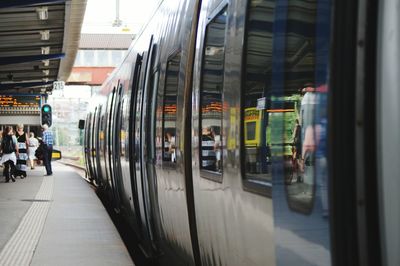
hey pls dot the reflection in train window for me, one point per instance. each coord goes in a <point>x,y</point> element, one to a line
<point>122,127</point>
<point>169,107</point>
<point>212,77</point>
<point>279,114</point>
<point>300,69</point>
<point>257,111</point>
<point>250,130</point>
<point>279,118</point>
<point>284,101</point>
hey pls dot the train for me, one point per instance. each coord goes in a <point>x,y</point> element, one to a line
<point>248,132</point>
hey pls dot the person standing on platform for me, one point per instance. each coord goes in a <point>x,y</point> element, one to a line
<point>23,143</point>
<point>9,149</point>
<point>33,145</point>
<point>48,142</point>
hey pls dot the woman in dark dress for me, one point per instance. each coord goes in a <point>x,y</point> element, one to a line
<point>23,140</point>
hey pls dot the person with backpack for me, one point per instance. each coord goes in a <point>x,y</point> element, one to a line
<point>39,152</point>
<point>9,149</point>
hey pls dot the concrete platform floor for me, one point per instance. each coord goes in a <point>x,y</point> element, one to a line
<point>56,220</point>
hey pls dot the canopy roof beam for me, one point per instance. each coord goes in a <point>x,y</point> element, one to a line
<point>22,3</point>
<point>28,58</point>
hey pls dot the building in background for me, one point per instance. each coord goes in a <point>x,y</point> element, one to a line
<point>98,56</point>
<point>69,105</point>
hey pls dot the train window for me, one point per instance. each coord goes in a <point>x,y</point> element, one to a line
<point>283,115</point>
<point>151,92</point>
<point>284,110</point>
<point>278,118</point>
<point>211,87</point>
<point>152,115</point>
<point>121,126</point>
<point>256,84</point>
<point>169,107</point>
<point>302,123</point>
<point>133,115</point>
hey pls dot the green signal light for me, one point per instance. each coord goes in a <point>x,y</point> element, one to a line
<point>46,109</point>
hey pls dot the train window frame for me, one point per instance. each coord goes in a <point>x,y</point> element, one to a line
<point>97,143</point>
<point>119,121</point>
<point>252,185</point>
<point>92,141</point>
<point>87,143</point>
<point>154,83</point>
<point>151,112</point>
<point>132,156</point>
<point>169,164</point>
<point>204,173</point>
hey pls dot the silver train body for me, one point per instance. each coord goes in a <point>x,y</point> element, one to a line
<point>228,134</point>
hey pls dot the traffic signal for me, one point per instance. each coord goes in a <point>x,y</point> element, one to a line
<point>45,115</point>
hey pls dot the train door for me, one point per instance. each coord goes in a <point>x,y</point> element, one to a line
<point>132,156</point>
<point>116,144</point>
<point>88,146</point>
<point>284,120</point>
<point>211,188</point>
<point>97,145</point>
<point>92,145</point>
<point>102,144</point>
<point>187,133</point>
<point>140,164</point>
<point>109,147</point>
<point>113,140</point>
<point>106,137</point>
<point>260,65</point>
<point>85,145</point>
<point>174,198</point>
<point>148,139</point>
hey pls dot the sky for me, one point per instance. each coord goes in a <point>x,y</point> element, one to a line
<point>100,15</point>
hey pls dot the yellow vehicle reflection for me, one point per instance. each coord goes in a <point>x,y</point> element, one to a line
<point>268,132</point>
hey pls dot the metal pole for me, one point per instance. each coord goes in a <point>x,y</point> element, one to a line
<point>117,22</point>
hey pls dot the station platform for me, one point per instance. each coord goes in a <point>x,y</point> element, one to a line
<point>56,220</point>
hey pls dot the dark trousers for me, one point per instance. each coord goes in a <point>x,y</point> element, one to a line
<point>9,169</point>
<point>47,152</point>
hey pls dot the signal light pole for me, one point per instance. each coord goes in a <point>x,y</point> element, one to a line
<point>46,115</point>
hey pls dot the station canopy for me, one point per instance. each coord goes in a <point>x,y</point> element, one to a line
<point>39,40</point>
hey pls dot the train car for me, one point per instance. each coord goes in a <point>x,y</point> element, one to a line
<point>217,102</point>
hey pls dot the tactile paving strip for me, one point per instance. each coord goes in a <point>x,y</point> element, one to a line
<point>20,248</point>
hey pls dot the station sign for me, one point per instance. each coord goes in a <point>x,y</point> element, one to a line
<point>261,103</point>
<point>20,104</point>
<point>19,100</point>
<point>58,85</point>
